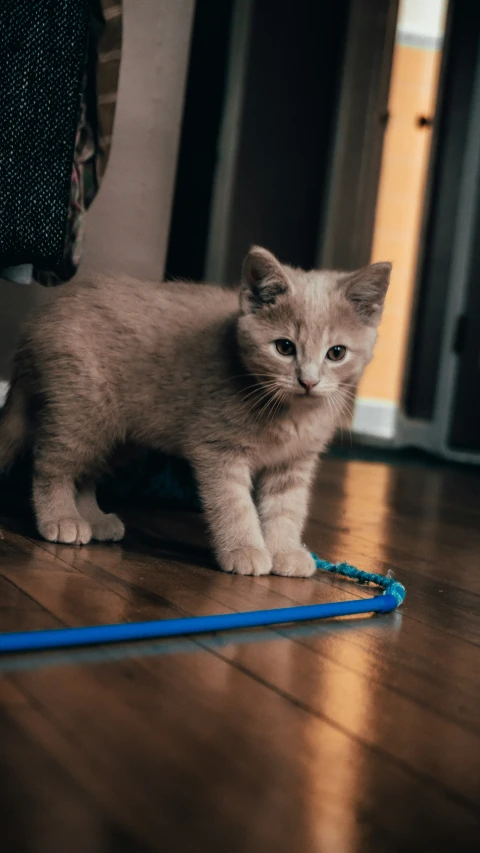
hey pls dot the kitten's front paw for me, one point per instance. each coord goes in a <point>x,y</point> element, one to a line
<point>71,531</point>
<point>246,561</point>
<point>298,564</point>
<point>109,529</point>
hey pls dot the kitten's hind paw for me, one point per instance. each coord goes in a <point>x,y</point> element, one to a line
<point>246,561</point>
<point>298,564</point>
<point>71,531</point>
<point>108,529</point>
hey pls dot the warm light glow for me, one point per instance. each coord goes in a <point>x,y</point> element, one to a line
<point>406,155</point>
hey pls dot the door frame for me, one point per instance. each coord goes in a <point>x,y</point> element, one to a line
<point>433,435</point>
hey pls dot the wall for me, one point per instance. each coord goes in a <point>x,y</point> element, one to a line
<point>127,227</point>
<point>128,223</point>
<point>413,94</point>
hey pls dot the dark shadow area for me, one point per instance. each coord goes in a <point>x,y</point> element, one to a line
<point>197,159</point>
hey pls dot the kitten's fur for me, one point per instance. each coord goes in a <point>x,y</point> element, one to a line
<point>183,368</point>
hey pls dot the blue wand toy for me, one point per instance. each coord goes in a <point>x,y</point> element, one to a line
<point>59,638</point>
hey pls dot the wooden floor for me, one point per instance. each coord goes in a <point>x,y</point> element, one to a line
<point>361,735</point>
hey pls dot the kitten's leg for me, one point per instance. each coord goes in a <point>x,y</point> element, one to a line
<point>61,458</point>
<point>283,494</point>
<point>225,488</point>
<point>105,527</point>
<point>58,519</point>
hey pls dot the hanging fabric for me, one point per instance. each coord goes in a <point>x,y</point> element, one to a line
<point>43,202</point>
<point>94,132</point>
<point>43,46</point>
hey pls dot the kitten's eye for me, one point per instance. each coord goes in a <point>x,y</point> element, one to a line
<point>285,347</point>
<point>337,353</point>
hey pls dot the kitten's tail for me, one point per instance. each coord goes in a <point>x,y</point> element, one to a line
<point>13,424</point>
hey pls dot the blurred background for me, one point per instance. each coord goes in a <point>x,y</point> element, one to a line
<point>335,133</point>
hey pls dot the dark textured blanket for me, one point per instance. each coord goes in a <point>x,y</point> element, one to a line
<point>43,48</point>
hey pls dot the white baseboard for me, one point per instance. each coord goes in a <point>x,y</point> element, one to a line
<point>3,391</point>
<point>376,419</point>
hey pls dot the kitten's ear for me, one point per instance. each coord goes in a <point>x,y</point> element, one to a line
<point>263,279</point>
<point>366,290</point>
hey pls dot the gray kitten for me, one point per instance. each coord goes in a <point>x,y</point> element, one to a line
<point>249,386</point>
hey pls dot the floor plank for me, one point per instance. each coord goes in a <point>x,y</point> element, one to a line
<point>360,734</point>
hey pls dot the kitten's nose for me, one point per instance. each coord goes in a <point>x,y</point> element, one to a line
<point>308,384</point>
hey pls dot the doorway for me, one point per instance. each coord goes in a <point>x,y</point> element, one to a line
<point>402,197</point>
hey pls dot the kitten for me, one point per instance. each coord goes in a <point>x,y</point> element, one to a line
<point>249,386</point>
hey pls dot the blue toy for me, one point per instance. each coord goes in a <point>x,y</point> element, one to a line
<point>58,638</point>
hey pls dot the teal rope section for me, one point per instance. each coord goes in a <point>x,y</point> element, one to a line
<point>387,582</point>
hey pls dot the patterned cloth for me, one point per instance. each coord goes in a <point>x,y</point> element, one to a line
<point>94,132</point>
<point>82,191</point>
<point>43,47</point>
<point>108,70</point>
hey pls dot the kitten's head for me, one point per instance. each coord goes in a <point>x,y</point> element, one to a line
<point>305,335</point>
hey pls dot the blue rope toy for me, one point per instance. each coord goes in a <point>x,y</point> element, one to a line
<point>59,638</point>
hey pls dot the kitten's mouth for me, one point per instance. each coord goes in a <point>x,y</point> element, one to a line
<point>311,393</point>
<point>307,396</point>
